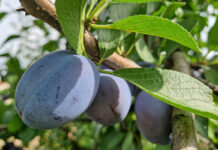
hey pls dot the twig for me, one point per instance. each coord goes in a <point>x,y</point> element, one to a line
<point>209,84</point>
<point>195,66</point>
<point>184,137</point>
<point>42,9</point>
<point>3,127</point>
<point>37,9</point>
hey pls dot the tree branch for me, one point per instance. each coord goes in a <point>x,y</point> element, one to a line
<point>45,10</point>
<point>42,9</point>
<point>184,137</point>
<point>209,84</point>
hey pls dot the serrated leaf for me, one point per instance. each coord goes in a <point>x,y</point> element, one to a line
<point>134,1</point>
<point>71,15</point>
<point>143,51</point>
<point>174,88</point>
<point>156,26</point>
<point>212,37</point>
<point>108,41</point>
<point>171,46</point>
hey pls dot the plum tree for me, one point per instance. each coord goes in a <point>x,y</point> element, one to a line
<point>112,101</point>
<point>56,89</point>
<point>153,118</point>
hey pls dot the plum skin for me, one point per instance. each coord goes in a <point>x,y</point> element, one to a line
<point>153,118</point>
<point>56,89</point>
<point>112,102</point>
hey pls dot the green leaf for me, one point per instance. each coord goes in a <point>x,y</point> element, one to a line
<point>211,75</point>
<point>3,109</point>
<point>201,125</point>
<point>71,15</point>
<point>2,14</point>
<point>108,41</point>
<point>172,7</point>
<point>27,135</point>
<point>50,46</point>
<point>41,25</point>
<point>128,142</point>
<point>111,139</point>
<point>11,37</point>
<point>15,124</point>
<point>143,51</point>
<point>5,55</point>
<point>171,46</point>
<point>174,88</point>
<point>212,37</point>
<point>119,11</point>
<point>134,1</point>
<point>156,26</point>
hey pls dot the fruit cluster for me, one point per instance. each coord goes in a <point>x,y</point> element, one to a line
<point>61,86</point>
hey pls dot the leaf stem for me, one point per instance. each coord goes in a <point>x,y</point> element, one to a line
<point>102,8</point>
<point>84,51</point>
<point>131,48</point>
<point>96,26</point>
<point>100,61</point>
<point>119,51</point>
<point>93,13</point>
<point>92,4</point>
<point>104,71</point>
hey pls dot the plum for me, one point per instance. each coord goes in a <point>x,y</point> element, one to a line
<point>153,118</point>
<point>56,89</point>
<point>112,102</point>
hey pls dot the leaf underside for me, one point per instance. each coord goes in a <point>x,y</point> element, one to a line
<point>174,88</point>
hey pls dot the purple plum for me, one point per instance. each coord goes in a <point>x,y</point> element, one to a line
<point>112,102</point>
<point>56,89</point>
<point>153,118</point>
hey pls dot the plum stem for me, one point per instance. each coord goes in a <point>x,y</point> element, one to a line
<point>104,71</point>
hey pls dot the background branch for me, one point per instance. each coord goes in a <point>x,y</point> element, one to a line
<point>209,84</point>
<point>184,137</point>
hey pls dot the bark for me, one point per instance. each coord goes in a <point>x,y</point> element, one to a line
<point>184,137</point>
